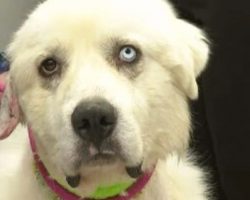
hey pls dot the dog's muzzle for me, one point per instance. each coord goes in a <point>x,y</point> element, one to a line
<point>94,121</point>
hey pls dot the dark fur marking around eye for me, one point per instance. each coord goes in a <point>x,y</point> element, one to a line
<point>112,50</point>
<point>51,67</point>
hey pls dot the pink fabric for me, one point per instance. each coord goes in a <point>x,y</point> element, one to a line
<point>2,84</point>
<point>12,120</point>
<point>63,194</point>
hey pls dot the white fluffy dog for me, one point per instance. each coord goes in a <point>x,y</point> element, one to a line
<point>103,84</point>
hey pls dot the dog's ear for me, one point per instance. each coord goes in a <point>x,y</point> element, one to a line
<point>9,108</point>
<point>192,55</point>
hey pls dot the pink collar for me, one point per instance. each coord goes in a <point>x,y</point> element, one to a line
<point>63,194</point>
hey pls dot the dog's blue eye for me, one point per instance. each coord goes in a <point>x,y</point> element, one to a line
<point>128,54</point>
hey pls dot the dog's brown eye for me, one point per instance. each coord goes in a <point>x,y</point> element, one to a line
<point>49,67</point>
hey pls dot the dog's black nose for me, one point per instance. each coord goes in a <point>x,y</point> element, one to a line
<point>94,120</point>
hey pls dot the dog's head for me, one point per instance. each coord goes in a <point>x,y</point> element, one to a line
<point>104,82</point>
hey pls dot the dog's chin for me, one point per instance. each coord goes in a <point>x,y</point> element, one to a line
<point>92,163</point>
<point>99,163</point>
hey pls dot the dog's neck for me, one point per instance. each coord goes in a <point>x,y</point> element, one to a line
<point>121,191</point>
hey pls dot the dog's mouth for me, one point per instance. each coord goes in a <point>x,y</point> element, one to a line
<point>102,159</point>
<point>102,155</point>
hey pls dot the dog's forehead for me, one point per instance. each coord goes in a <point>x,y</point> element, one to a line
<point>92,16</point>
<point>82,23</point>
<point>107,7</point>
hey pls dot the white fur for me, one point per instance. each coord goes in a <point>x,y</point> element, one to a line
<point>151,98</point>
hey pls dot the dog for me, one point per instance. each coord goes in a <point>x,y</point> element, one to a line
<point>99,91</point>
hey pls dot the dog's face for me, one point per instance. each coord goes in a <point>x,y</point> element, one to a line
<point>104,82</point>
